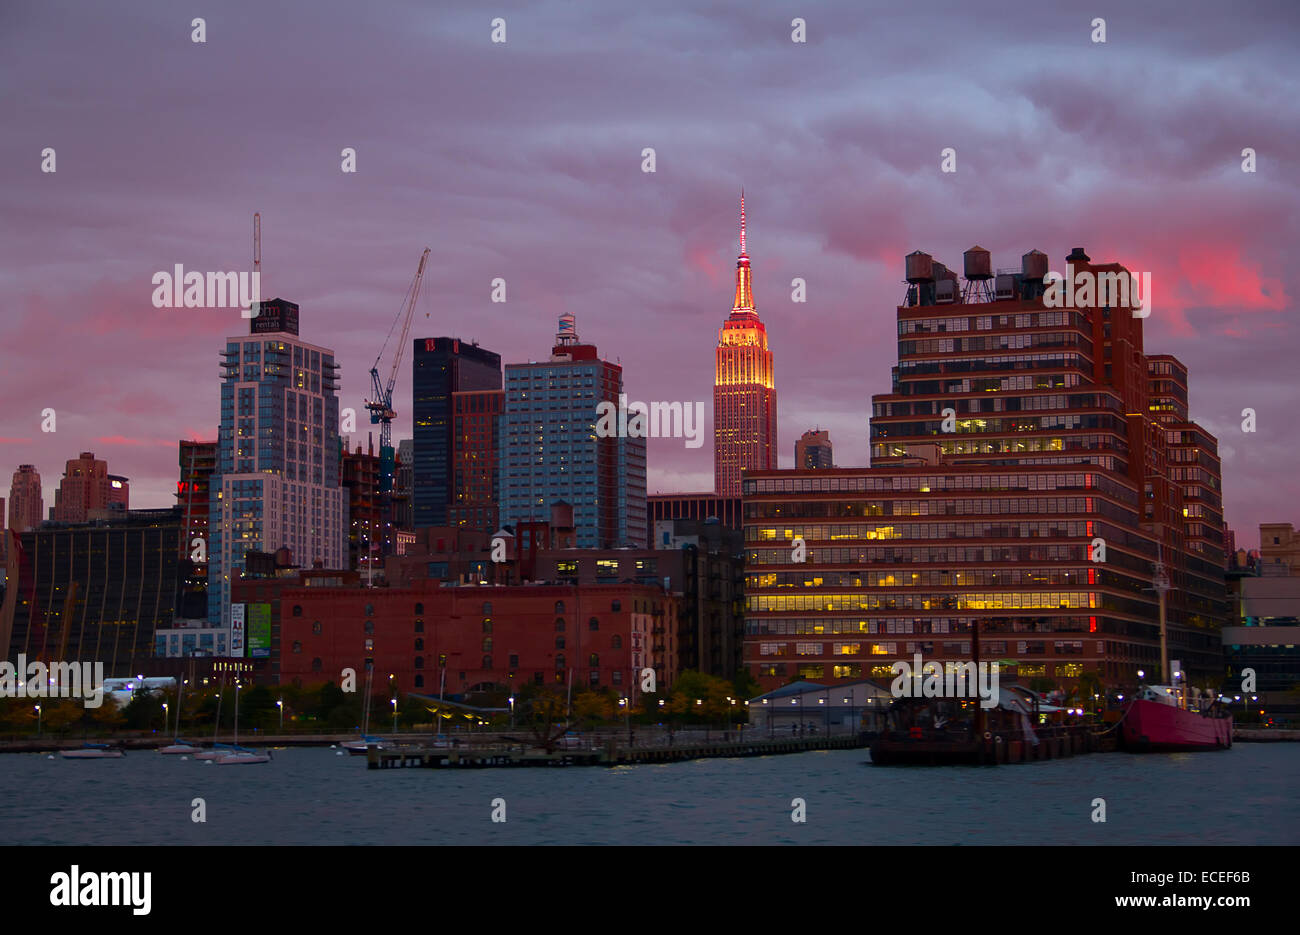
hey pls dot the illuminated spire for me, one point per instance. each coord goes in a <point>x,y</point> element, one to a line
<point>744,289</point>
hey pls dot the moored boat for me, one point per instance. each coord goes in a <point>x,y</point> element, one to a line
<point>180,746</point>
<point>93,751</point>
<point>359,747</point>
<point>1155,722</point>
<point>241,757</point>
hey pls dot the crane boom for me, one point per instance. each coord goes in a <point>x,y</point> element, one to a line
<point>381,407</point>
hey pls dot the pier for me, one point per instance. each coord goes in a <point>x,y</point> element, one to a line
<point>507,755</point>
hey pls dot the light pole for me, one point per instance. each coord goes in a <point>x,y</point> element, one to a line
<point>166,722</point>
<point>394,715</point>
<point>280,704</point>
<point>512,712</point>
<point>38,722</point>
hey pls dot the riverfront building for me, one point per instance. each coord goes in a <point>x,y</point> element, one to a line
<point>468,639</point>
<point>1017,439</point>
<point>276,484</point>
<point>93,592</point>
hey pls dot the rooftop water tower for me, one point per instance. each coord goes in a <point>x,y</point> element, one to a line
<point>979,275</point>
<point>920,278</point>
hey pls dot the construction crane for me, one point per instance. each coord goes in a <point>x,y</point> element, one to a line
<point>381,407</point>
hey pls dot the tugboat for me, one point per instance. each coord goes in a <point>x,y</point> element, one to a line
<point>1158,720</point>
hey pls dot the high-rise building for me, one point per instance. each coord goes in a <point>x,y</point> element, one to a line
<point>813,450</point>
<point>276,484</point>
<point>551,452</point>
<point>197,461</point>
<point>369,529</point>
<point>86,487</point>
<point>442,368</point>
<point>744,393</point>
<point>403,478</point>
<point>476,439</point>
<point>1021,481</point>
<point>26,509</point>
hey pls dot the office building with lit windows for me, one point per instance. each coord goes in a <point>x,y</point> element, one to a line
<point>1015,438</point>
<point>276,483</point>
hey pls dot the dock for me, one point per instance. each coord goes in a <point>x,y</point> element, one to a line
<point>515,755</point>
<point>931,748</point>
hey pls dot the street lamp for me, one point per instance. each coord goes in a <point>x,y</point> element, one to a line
<point>166,722</point>
<point>280,704</point>
<point>512,712</point>
<point>394,714</point>
<point>38,722</point>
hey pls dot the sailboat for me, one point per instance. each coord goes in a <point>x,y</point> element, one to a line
<point>177,745</point>
<point>239,756</point>
<point>1158,719</point>
<point>360,747</point>
<point>218,749</point>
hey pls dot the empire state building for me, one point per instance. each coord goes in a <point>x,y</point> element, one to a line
<point>744,394</point>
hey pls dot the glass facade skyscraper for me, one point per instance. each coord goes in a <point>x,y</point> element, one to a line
<point>442,368</point>
<point>276,483</point>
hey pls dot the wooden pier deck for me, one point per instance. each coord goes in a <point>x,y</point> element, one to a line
<point>516,755</point>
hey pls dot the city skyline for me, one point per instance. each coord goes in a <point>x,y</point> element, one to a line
<point>839,198</point>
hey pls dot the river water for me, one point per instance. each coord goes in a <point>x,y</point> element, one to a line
<point>1245,795</point>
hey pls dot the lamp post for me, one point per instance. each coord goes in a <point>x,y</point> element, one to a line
<point>280,704</point>
<point>166,722</point>
<point>394,701</point>
<point>38,722</point>
<point>512,712</point>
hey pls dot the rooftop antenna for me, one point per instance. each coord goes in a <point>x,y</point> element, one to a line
<point>257,255</point>
<point>742,221</point>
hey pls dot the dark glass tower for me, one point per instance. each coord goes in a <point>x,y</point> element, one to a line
<point>443,367</point>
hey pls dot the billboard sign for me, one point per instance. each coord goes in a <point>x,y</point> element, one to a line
<point>237,630</point>
<point>258,630</point>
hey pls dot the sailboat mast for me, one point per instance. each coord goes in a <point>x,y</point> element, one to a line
<point>221,693</point>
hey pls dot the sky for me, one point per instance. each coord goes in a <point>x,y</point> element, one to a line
<point>523,160</point>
